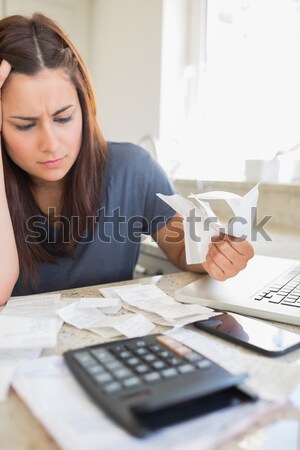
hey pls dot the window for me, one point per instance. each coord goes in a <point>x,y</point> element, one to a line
<point>235,89</point>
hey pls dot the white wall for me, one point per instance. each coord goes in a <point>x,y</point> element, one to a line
<point>72,15</point>
<point>126,66</point>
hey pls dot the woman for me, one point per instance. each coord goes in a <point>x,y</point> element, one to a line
<point>73,207</point>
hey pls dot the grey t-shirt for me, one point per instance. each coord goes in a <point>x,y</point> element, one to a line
<point>129,208</point>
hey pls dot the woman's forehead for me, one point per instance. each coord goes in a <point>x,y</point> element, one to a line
<point>49,86</point>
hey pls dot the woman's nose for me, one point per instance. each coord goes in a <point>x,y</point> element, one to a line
<point>48,140</point>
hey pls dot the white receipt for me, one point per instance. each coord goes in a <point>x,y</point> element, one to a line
<point>9,360</point>
<point>106,305</point>
<point>111,293</point>
<point>106,333</point>
<point>80,318</point>
<point>25,332</point>
<point>33,305</point>
<point>40,306</point>
<point>77,423</point>
<point>142,292</point>
<point>149,299</point>
<point>131,325</point>
<point>201,224</point>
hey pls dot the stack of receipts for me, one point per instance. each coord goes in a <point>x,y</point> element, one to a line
<point>157,306</point>
<point>142,307</point>
<point>27,325</point>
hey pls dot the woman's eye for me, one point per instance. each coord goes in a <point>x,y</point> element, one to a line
<point>25,127</point>
<point>63,119</point>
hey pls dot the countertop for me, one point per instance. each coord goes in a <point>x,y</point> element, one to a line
<point>19,430</point>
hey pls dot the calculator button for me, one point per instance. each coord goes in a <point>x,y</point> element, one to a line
<point>164,354</point>
<point>125,354</point>
<point>150,357</point>
<point>159,365</point>
<point>132,382</point>
<point>156,348</point>
<point>95,369</point>
<point>174,361</point>
<point>112,388</point>
<point>152,377</point>
<point>132,361</point>
<point>176,346</point>
<point>141,351</point>
<point>186,368</point>
<point>85,359</point>
<point>102,355</point>
<point>142,368</point>
<point>118,348</point>
<point>136,344</point>
<point>114,365</point>
<point>169,373</point>
<point>193,357</point>
<point>122,373</point>
<point>103,378</point>
<point>204,364</point>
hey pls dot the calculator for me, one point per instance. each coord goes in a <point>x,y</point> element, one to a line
<point>148,383</point>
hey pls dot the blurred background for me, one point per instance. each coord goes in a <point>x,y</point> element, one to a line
<point>211,87</point>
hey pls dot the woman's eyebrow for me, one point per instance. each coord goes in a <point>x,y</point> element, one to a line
<point>59,111</point>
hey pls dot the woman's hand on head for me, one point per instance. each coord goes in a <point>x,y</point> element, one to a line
<point>227,256</point>
<point>5,69</point>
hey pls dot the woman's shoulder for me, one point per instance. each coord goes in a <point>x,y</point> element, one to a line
<point>127,154</point>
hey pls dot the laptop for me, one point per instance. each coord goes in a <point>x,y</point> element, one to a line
<point>268,288</point>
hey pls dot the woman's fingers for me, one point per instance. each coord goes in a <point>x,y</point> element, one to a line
<point>226,257</point>
<point>5,69</point>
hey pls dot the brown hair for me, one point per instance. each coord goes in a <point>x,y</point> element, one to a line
<point>31,45</point>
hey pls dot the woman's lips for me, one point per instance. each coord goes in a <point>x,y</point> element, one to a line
<point>52,162</point>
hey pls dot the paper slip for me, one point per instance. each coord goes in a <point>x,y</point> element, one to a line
<point>159,320</point>
<point>106,305</point>
<point>37,306</point>
<point>201,224</point>
<point>77,423</point>
<point>173,313</point>
<point>9,361</point>
<point>131,325</point>
<point>170,309</point>
<point>106,333</point>
<point>110,292</point>
<point>25,332</point>
<point>93,319</point>
<point>33,305</point>
<point>79,317</point>
<point>143,292</point>
<point>151,299</point>
<point>271,380</point>
<point>295,396</point>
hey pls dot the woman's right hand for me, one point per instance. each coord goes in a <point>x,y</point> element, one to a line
<point>5,69</point>
<point>9,258</point>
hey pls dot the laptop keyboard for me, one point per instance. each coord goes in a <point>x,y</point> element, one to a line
<point>285,290</point>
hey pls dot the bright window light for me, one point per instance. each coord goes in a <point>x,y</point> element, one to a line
<point>238,95</point>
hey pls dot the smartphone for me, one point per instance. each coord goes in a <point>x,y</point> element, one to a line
<point>255,334</point>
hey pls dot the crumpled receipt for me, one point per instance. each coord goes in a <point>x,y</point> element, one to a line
<point>201,224</point>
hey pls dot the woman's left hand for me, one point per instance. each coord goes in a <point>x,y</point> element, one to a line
<point>227,256</point>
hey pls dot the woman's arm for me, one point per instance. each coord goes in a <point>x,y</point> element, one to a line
<point>226,256</point>
<point>9,260</point>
